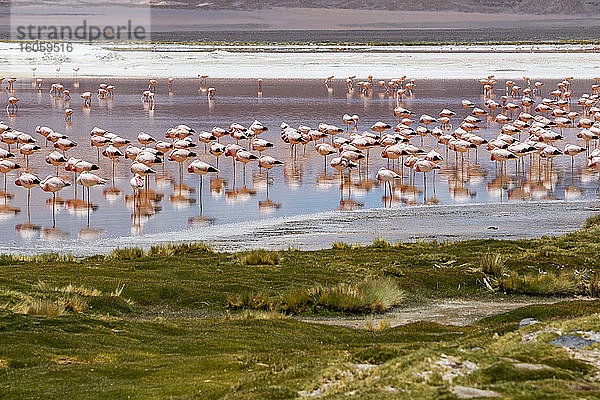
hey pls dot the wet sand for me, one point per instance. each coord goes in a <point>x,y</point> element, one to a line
<point>305,208</point>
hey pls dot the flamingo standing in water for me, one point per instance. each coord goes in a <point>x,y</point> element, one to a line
<point>342,164</point>
<point>216,149</point>
<point>425,166</point>
<point>218,132</point>
<point>5,167</point>
<point>12,106</point>
<point>53,184</point>
<point>268,162</point>
<point>99,141</point>
<point>27,181</point>
<point>325,149</point>
<point>231,151</point>
<point>64,144</point>
<point>180,156</point>
<point>244,156</point>
<point>87,179</point>
<point>201,168</point>
<point>87,99</point>
<point>113,153</point>
<point>145,139</point>
<point>44,131</point>
<point>387,176</point>
<point>572,150</point>
<point>9,137</point>
<point>206,137</point>
<point>27,150</point>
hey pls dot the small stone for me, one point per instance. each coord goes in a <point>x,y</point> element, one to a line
<point>527,321</point>
<point>572,341</point>
<point>465,392</point>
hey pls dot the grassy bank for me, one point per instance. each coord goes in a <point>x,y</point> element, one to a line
<point>183,321</point>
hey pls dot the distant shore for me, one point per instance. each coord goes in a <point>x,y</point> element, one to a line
<point>277,61</point>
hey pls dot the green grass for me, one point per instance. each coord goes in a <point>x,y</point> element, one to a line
<point>183,321</point>
<point>265,355</point>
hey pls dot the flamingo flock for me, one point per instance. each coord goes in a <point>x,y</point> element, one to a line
<point>529,135</point>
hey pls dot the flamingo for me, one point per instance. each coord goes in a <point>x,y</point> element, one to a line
<point>572,150</point>
<point>27,150</point>
<point>257,128</point>
<point>88,180</point>
<point>53,184</point>
<point>137,184</point>
<point>27,181</point>
<point>113,153</point>
<point>140,169</point>
<point>260,145</point>
<point>268,162</point>
<point>145,139</point>
<point>4,154</point>
<point>216,149</point>
<point>218,132</point>
<point>64,144</point>
<point>87,99</point>
<point>206,137</point>
<point>201,168</point>
<point>5,167</point>
<point>425,166</point>
<point>98,142</point>
<point>9,137</point>
<point>180,156</point>
<point>44,131</point>
<point>387,176</point>
<point>12,106</point>
<point>245,157</point>
<point>342,164</point>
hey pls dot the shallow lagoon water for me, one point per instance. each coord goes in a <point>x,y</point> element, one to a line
<point>305,208</point>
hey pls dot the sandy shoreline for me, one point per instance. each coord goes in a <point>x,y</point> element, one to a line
<point>321,230</point>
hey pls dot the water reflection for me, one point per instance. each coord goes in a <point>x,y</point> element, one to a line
<point>305,184</point>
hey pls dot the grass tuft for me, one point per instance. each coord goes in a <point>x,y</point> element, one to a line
<point>129,253</point>
<point>340,246</point>
<point>592,222</point>
<point>178,249</point>
<point>492,264</point>
<point>75,303</point>
<point>260,257</point>
<point>380,243</point>
<point>548,284</point>
<point>41,307</point>
<point>373,295</point>
<point>381,325</point>
<point>594,286</point>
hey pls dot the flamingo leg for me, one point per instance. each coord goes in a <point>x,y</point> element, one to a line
<point>28,211</point>
<point>88,207</point>
<point>53,209</point>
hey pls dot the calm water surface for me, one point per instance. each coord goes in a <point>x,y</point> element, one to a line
<point>300,187</point>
